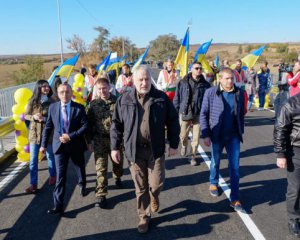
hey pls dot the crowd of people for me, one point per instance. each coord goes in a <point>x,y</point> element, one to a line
<point>134,118</point>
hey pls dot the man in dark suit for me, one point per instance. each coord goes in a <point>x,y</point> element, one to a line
<point>68,121</point>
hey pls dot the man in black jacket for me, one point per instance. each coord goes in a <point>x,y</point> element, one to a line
<point>287,147</point>
<point>187,101</point>
<point>140,118</point>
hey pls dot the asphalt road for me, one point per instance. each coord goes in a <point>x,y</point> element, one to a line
<point>187,210</point>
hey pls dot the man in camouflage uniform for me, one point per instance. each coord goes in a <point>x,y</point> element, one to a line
<point>100,118</point>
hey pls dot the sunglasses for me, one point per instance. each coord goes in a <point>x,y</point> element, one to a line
<point>198,68</point>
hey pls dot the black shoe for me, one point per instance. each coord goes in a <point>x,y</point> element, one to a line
<point>83,191</point>
<point>55,211</point>
<point>294,227</point>
<point>101,202</point>
<point>119,183</point>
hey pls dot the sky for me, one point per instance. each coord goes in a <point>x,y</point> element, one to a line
<point>31,26</point>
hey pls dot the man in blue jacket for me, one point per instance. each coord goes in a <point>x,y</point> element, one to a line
<point>222,124</point>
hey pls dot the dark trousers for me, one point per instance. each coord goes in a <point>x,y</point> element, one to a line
<point>61,161</point>
<point>293,189</point>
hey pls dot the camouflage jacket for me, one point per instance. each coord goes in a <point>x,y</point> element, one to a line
<point>100,118</point>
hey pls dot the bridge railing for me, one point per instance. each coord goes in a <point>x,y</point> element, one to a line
<point>7,98</point>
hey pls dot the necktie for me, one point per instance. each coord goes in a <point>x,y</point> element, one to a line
<point>65,119</point>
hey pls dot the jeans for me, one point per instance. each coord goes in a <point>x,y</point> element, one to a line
<point>232,147</point>
<point>33,165</point>
<point>262,97</point>
<point>250,101</point>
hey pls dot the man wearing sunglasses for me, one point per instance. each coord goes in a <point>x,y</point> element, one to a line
<point>187,101</point>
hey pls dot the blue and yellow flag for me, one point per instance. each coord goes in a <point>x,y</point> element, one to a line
<point>217,61</point>
<point>181,61</point>
<point>103,65</point>
<point>140,60</point>
<point>202,50</point>
<point>65,69</point>
<point>123,60</point>
<point>250,60</point>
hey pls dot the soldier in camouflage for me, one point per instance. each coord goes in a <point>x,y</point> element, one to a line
<point>98,138</point>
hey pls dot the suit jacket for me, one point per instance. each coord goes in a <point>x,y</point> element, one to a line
<point>77,128</point>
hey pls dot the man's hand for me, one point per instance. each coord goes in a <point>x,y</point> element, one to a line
<point>281,162</point>
<point>64,138</point>
<point>207,141</point>
<point>116,156</point>
<point>42,150</point>
<point>172,152</point>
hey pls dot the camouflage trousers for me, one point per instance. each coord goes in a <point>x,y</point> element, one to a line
<point>102,154</point>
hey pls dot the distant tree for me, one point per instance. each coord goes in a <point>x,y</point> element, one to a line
<point>291,57</point>
<point>240,49</point>
<point>282,48</point>
<point>33,71</point>
<point>77,44</point>
<point>101,42</point>
<point>248,48</point>
<point>163,47</point>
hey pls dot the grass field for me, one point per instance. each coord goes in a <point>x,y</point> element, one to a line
<point>225,51</point>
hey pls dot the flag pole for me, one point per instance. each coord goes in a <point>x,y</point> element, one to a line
<point>59,24</point>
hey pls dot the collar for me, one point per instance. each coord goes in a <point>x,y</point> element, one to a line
<point>68,104</point>
<point>223,90</point>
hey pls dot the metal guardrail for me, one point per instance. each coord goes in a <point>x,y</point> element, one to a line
<point>7,98</point>
<point>6,127</point>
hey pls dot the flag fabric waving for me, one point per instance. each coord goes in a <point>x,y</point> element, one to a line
<point>65,69</point>
<point>103,65</point>
<point>217,61</point>
<point>140,60</point>
<point>250,60</point>
<point>202,50</point>
<point>181,60</point>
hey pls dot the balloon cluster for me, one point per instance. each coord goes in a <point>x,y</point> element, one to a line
<point>78,89</point>
<point>22,96</point>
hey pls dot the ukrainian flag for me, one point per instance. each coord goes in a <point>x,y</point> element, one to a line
<point>202,50</point>
<point>140,60</point>
<point>217,61</point>
<point>250,60</point>
<point>123,60</point>
<point>103,65</point>
<point>200,57</point>
<point>114,63</point>
<point>181,60</point>
<point>65,69</point>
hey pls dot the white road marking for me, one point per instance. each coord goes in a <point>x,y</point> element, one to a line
<point>253,229</point>
<point>12,174</point>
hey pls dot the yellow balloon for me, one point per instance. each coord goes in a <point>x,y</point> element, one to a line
<point>19,148</point>
<point>22,95</point>
<point>19,125</point>
<point>17,109</point>
<point>24,132</point>
<point>23,156</point>
<point>78,78</point>
<point>16,117</point>
<point>21,140</point>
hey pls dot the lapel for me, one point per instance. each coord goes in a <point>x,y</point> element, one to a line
<point>72,108</point>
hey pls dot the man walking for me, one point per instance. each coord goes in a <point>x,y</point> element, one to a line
<point>187,101</point>
<point>287,147</point>
<point>222,124</point>
<point>140,117</point>
<point>68,122</point>
<point>99,119</point>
